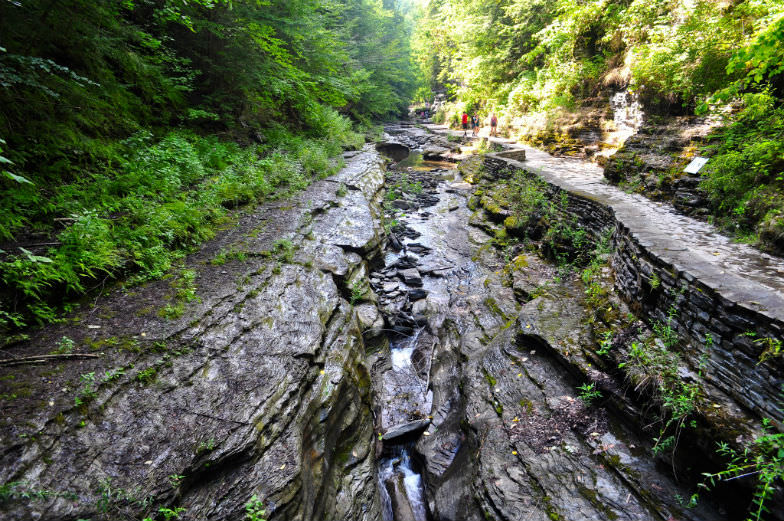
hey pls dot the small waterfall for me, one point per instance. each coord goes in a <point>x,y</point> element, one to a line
<point>399,464</point>
<point>627,111</point>
<point>402,350</point>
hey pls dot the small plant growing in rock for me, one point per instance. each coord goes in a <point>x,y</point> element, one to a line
<point>225,256</point>
<point>763,458</point>
<point>114,374</point>
<point>86,390</point>
<point>205,446</point>
<point>284,249</point>
<point>665,331</point>
<point>65,346</point>
<point>175,480</point>
<point>606,344</point>
<point>169,514</point>
<point>342,190</point>
<point>388,225</point>
<point>254,509</point>
<point>357,291</point>
<point>589,393</point>
<point>147,375</point>
<point>185,291</point>
<point>773,347</point>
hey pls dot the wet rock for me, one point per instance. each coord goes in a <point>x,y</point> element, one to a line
<point>417,294</point>
<point>411,276</point>
<point>370,320</point>
<point>394,242</point>
<point>405,429</point>
<point>260,388</point>
<point>391,287</point>
<point>401,507</point>
<point>434,152</point>
<point>395,151</point>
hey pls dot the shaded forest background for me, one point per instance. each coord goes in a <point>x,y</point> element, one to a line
<point>538,62</point>
<point>130,127</point>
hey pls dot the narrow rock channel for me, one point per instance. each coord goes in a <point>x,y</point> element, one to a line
<point>372,348</point>
<point>476,406</point>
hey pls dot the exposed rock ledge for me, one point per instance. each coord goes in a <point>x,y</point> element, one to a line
<point>259,388</point>
<point>665,261</point>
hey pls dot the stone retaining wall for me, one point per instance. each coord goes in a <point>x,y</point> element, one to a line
<point>662,292</point>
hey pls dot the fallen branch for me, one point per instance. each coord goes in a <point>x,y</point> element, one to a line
<point>44,358</point>
<point>430,364</point>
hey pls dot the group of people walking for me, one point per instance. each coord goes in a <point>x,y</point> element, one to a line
<point>476,123</point>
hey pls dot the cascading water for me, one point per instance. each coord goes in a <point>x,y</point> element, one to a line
<point>627,112</point>
<point>391,471</point>
<point>402,350</point>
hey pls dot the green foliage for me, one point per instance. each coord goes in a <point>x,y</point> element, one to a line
<point>86,391</point>
<point>529,61</point>
<point>403,185</point>
<point>254,509</point>
<point>762,58</point>
<point>773,347</point>
<point>147,375</point>
<point>652,364</point>
<point>762,459</point>
<point>64,346</point>
<point>528,197</point>
<point>205,446</point>
<point>518,56</point>
<point>284,250</point>
<point>606,344</point>
<point>357,292</point>
<point>21,490</point>
<point>106,106</point>
<point>589,393</point>
<point>169,514</point>
<point>117,502</point>
<point>745,176</point>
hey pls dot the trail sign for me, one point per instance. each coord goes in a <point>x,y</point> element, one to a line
<point>696,165</point>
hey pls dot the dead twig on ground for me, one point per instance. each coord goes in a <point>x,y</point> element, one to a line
<point>44,358</point>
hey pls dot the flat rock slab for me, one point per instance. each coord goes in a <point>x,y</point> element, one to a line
<point>411,277</point>
<point>407,428</point>
<point>434,152</point>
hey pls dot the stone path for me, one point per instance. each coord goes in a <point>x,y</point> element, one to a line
<point>738,272</point>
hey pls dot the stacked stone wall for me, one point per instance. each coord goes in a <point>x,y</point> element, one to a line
<point>667,294</point>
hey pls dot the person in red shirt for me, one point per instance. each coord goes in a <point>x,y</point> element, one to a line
<point>465,123</point>
<point>493,125</point>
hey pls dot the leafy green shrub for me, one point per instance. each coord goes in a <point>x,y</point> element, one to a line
<point>745,178</point>
<point>148,208</point>
<point>254,509</point>
<point>86,391</point>
<point>763,458</point>
<point>589,393</point>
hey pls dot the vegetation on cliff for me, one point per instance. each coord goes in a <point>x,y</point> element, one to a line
<point>128,127</point>
<point>537,60</point>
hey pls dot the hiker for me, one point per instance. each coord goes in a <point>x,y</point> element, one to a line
<point>493,125</point>
<point>475,124</point>
<point>465,123</point>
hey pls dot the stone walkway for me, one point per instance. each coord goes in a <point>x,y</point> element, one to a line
<point>738,272</point>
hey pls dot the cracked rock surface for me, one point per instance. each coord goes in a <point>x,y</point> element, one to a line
<point>259,388</point>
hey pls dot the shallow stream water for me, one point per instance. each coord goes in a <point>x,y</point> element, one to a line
<point>492,422</point>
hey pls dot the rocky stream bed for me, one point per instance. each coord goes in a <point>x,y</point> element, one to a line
<point>368,350</point>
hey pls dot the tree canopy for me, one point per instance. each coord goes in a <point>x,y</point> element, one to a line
<point>128,126</point>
